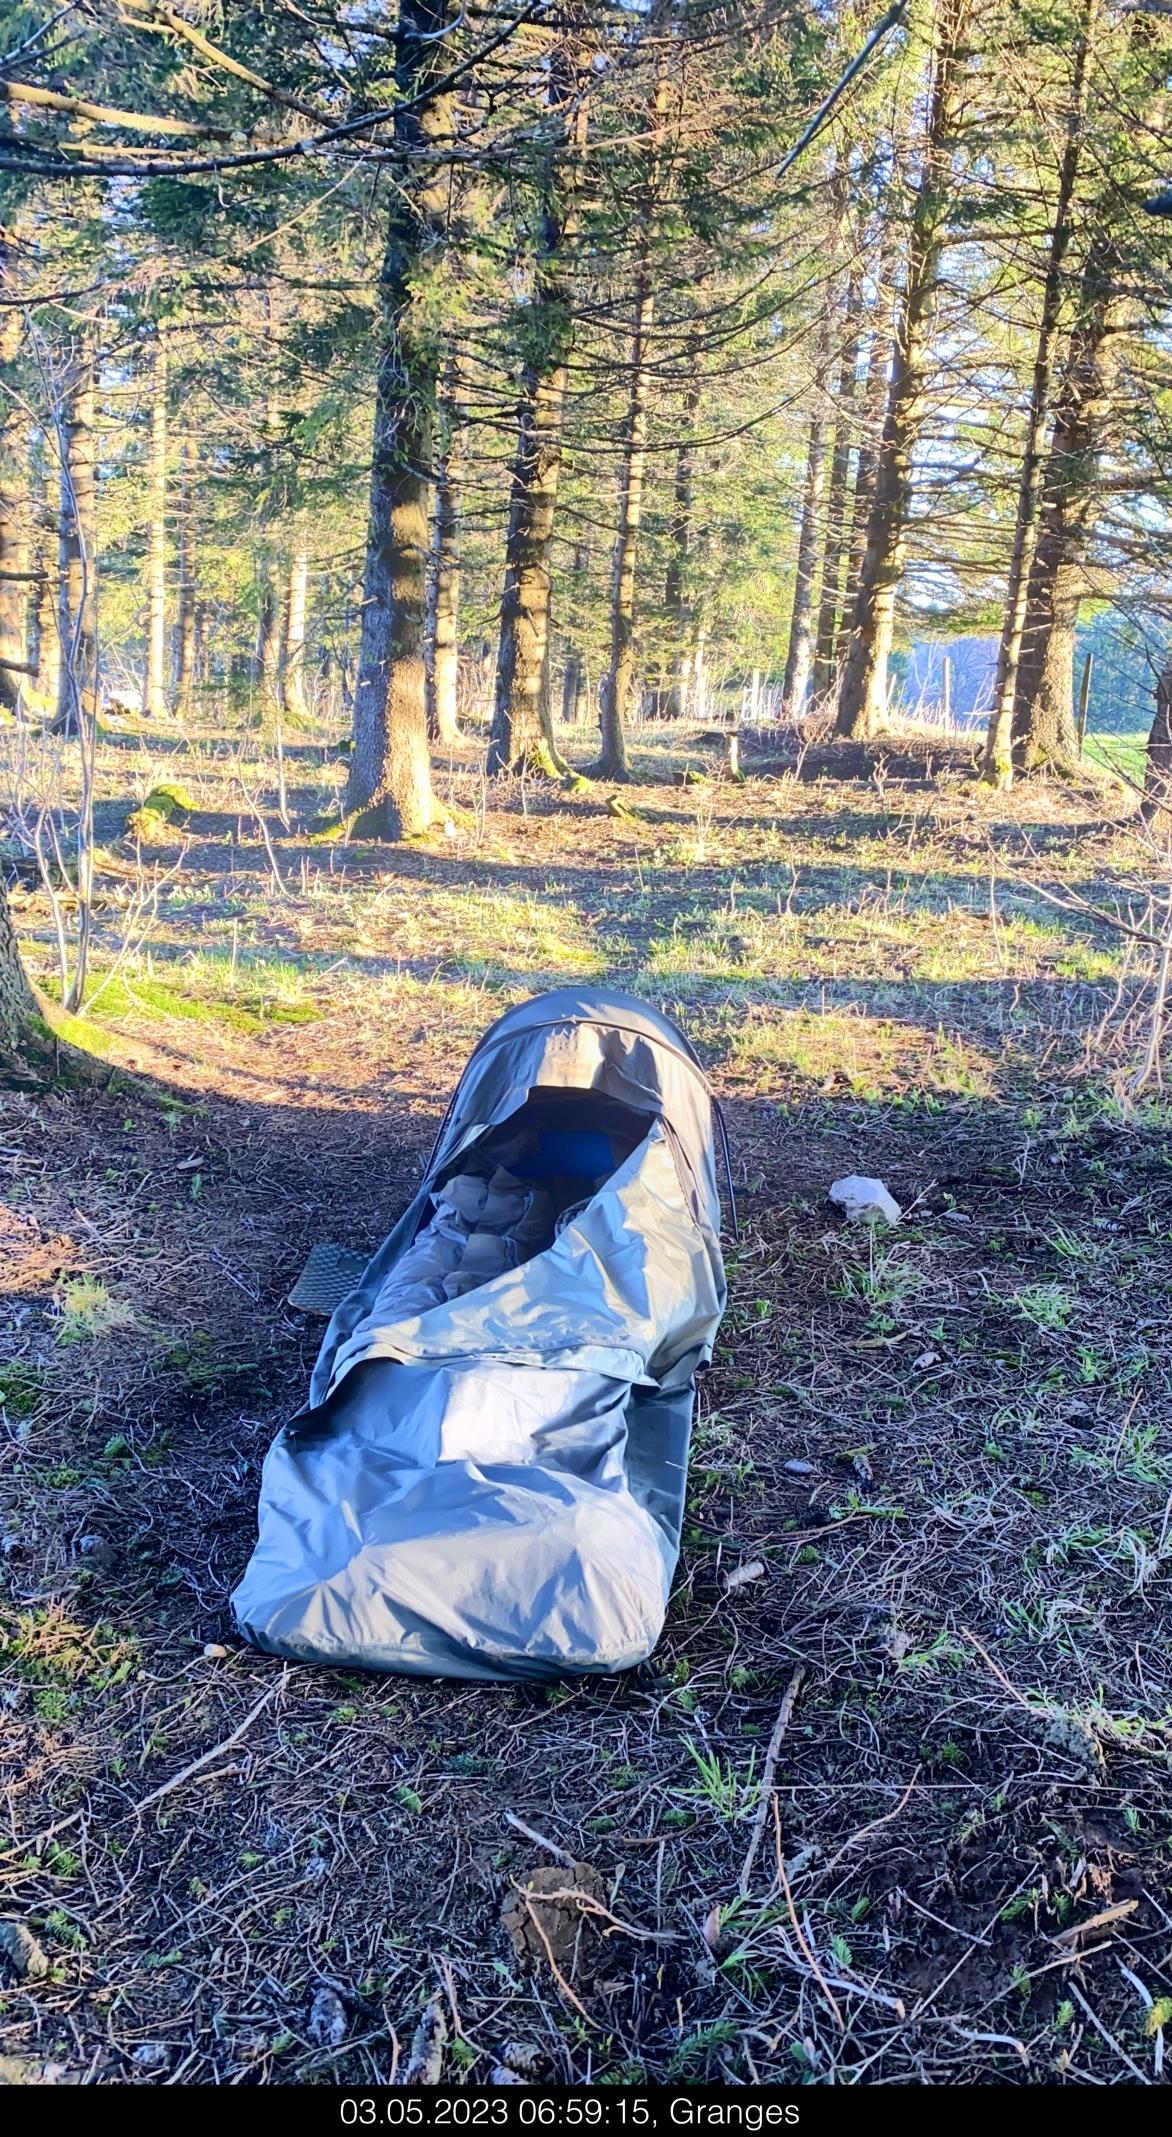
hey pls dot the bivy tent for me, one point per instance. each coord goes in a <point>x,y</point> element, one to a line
<point>488,1478</point>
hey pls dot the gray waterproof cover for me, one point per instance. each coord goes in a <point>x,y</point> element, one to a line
<point>488,1479</point>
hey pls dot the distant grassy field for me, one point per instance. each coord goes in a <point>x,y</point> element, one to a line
<point>1125,753</point>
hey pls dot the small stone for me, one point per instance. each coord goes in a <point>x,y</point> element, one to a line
<point>24,1955</point>
<point>742,1575</point>
<point>864,1201</point>
<point>799,1469</point>
<point>925,1359</point>
<point>151,2056</point>
<point>327,2019</point>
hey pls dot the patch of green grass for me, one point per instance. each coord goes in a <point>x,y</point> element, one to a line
<point>21,1387</point>
<point>1126,753</point>
<point>1046,1305</point>
<point>203,988</point>
<point>871,1055</point>
<point>721,1787</point>
<point>482,933</point>
<point>89,1312</point>
<point>62,1659</point>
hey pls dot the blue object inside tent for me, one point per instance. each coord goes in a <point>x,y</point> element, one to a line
<point>574,1153</point>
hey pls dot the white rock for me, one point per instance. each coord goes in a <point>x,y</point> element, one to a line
<point>865,1201</point>
<point>152,2055</point>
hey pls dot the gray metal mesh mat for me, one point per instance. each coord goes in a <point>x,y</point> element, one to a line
<point>327,1276</point>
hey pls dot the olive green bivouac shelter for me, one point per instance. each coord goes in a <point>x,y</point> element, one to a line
<point>488,1478</point>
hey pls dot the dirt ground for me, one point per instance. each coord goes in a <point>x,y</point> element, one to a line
<point>940,1459</point>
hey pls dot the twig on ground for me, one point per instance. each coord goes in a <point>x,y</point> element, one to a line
<point>539,1840</point>
<point>226,1744</point>
<point>815,1969</point>
<point>1002,2040</point>
<point>555,1970</point>
<point>587,1905</point>
<point>998,1672</point>
<point>1096,1921</point>
<point>873,1827</point>
<point>1110,2039</point>
<point>780,1726</point>
<point>952,1927</point>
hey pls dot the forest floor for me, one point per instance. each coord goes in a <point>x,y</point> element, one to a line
<point>947,1451</point>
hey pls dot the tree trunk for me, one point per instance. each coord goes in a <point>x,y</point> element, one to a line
<point>998,764</point>
<point>266,661</point>
<point>47,629</point>
<point>834,550</point>
<point>870,434</point>
<point>1043,714</point>
<point>522,728</point>
<point>185,622</point>
<point>293,675</point>
<point>617,687</point>
<point>15,580</point>
<point>155,693</point>
<point>77,553</point>
<point>13,590</point>
<point>390,769</point>
<point>862,704</point>
<point>31,1052</point>
<point>22,1033</point>
<point>615,696</point>
<point>444,584</point>
<point>677,602</point>
<point>797,661</point>
<point>1157,802</point>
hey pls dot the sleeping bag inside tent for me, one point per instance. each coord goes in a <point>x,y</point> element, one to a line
<point>488,1478</point>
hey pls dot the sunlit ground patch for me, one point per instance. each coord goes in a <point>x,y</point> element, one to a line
<point>479,931</point>
<point>873,1056</point>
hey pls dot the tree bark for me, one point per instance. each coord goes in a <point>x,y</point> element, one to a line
<point>998,764</point>
<point>155,692</point>
<point>522,727</point>
<point>617,687</point>
<point>185,621</point>
<point>797,661</point>
<point>77,551</point>
<point>266,664</point>
<point>444,585</point>
<point>47,628</point>
<point>1157,801</point>
<point>835,543</point>
<point>22,1034</point>
<point>1043,713</point>
<point>615,696</point>
<point>862,703</point>
<point>870,433</point>
<point>293,673</point>
<point>14,584</point>
<point>677,599</point>
<point>390,769</point>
